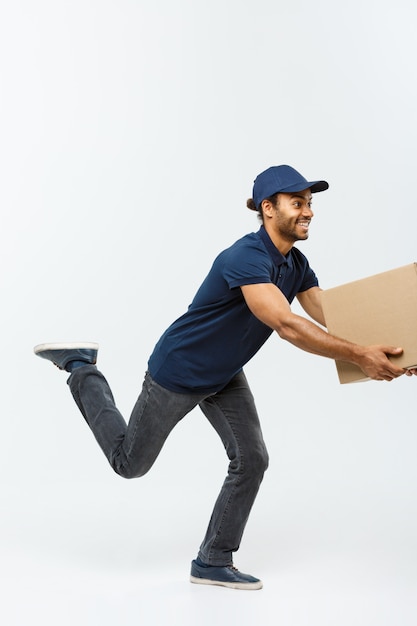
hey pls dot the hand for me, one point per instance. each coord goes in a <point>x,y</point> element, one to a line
<point>375,363</point>
<point>411,372</point>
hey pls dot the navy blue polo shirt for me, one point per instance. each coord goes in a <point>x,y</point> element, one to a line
<point>204,348</point>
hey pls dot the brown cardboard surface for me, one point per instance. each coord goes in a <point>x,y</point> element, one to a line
<point>380,309</point>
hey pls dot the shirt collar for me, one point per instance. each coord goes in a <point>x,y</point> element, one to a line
<point>275,254</point>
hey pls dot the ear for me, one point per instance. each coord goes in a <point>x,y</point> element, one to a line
<point>267,208</point>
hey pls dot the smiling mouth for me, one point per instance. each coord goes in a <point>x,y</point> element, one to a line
<point>303,223</point>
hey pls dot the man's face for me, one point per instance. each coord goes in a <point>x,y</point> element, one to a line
<point>293,215</point>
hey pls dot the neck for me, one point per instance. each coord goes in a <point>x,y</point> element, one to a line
<point>279,242</point>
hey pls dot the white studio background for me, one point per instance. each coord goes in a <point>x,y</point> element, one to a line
<point>131,132</point>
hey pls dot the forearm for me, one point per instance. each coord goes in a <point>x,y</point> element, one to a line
<point>306,335</point>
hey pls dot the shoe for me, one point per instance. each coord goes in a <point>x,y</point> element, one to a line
<point>63,353</point>
<point>227,576</point>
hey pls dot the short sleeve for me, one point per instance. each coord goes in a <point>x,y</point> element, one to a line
<point>246,265</point>
<point>310,280</point>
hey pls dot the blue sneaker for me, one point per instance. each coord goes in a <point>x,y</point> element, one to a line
<point>63,353</point>
<point>227,576</point>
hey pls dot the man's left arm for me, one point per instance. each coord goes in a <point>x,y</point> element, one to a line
<point>311,302</point>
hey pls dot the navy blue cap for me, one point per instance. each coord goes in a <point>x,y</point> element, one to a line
<point>283,179</point>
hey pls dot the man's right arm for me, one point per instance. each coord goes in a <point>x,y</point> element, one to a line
<point>271,307</point>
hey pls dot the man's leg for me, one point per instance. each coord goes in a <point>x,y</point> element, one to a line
<point>233,414</point>
<point>131,449</point>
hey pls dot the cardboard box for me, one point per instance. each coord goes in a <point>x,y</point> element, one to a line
<point>381,309</point>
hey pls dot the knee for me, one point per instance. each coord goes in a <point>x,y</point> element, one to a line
<point>255,462</point>
<point>129,471</point>
<point>260,461</point>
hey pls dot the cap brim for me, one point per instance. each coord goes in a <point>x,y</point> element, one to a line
<point>319,185</point>
<point>314,186</point>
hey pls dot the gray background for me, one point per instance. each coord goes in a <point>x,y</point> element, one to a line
<point>131,132</point>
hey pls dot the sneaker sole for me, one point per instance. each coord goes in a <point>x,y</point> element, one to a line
<point>207,581</point>
<point>80,345</point>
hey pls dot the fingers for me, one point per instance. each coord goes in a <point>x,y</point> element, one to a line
<point>389,377</point>
<point>392,371</point>
<point>378,366</point>
<point>392,350</point>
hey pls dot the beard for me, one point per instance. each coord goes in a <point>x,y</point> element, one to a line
<point>290,231</point>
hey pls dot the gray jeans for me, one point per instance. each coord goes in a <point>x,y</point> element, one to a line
<point>132,448</point>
